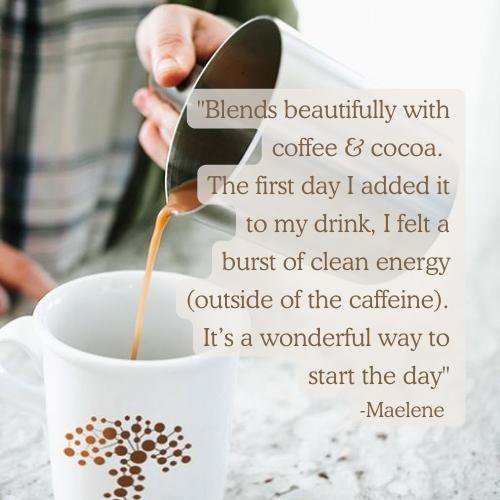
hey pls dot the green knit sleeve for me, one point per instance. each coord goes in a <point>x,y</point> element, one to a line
<point>242,10</point>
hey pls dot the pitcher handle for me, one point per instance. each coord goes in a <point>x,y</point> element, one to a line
<point>21,333</point>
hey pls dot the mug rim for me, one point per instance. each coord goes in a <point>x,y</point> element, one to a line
<point>69,352</point>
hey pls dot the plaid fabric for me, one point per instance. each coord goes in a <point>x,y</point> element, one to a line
<point>68,70</point>
<point>68,130</point>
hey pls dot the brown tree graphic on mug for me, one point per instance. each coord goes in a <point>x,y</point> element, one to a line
<point>134,441</point>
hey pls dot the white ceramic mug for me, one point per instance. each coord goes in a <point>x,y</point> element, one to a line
<point>157,428</point>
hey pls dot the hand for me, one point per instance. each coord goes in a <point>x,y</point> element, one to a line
<point>170,40</point>
<point>19,272</point>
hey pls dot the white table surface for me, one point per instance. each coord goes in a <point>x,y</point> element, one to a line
<point>289,446</point>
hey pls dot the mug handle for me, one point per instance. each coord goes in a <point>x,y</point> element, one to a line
<point>21,333</point>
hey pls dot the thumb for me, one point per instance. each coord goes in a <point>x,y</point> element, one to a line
<point>172,49</point>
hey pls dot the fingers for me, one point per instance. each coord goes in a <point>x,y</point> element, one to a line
<point>156,132</point>
<point>20,272</point>
<point>173,37</point>
<point>4,301</point>
<point>152,143</point>
<point>162,114</point>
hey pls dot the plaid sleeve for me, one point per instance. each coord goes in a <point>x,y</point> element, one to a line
<point>68,70</point>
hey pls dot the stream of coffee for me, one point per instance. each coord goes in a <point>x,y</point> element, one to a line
<point>183,199</point>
